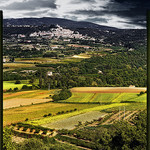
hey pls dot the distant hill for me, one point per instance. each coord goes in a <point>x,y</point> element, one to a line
<point>49,21</point>
<point>115,36</point>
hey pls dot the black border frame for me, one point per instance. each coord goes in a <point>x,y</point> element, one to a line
<point>1,80</point>
<point>148,80</point>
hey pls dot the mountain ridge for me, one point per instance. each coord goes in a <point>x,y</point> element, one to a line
<point>60,21</point>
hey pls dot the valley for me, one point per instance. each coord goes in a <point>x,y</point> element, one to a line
<point>78,85</point>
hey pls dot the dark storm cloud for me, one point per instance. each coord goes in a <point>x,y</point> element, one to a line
<point>132,10</point>
<point>31,5</point>
<point>135,12</point>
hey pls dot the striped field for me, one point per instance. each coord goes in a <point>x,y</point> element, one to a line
<point>105,97</point>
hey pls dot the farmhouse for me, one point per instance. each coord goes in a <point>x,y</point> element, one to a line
<point>132,86</point>
<point>49,73</point>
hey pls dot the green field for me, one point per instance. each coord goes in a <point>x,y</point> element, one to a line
<point>11,84</point>
<point>41,60</point>
<point>105,97</point>
<point>18,65</point>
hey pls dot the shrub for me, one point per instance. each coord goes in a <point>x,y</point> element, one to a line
<point>10,90</point>
<point>18,82</point>
<point>141,93</point>
<point>24,87</point>
<point>16,89</point>
<point>26,119</point>
<point>49,114</point>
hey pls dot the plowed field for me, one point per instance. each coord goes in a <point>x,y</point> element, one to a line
<point>108,89</point>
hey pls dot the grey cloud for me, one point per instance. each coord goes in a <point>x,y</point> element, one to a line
<point>31,5</point>
<point>98,20</point>
<point>35,13</point>
<point>82,1</point>
<point>89,13</point>
<point>70,17</point>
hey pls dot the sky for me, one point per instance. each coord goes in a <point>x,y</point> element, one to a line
<point>129,14</point>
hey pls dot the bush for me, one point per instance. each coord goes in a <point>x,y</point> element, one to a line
<point>25,87</point>
<point>26,119</point>
<point>49,114</point>
<point>10,90</point>
<point>141,93</point>
<point>18,82</point>
<point>16,89</point>
<point>45,116</point>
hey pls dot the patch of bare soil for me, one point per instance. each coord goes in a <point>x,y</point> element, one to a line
<point>22,102</point>
<point>17,139</point>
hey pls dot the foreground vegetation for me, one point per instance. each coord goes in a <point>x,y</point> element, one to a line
<point>120,135</point>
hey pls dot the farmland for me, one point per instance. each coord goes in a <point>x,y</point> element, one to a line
<point>18,65</point>
<point>106,95</point>
<point>108,89</point>
<point>31,61</point>
<point>38,111</point>
<point>69,123</point>
<point>84,103</point>
<point>26,98</point>
<point>93,82</point>
<point>48,120</point>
